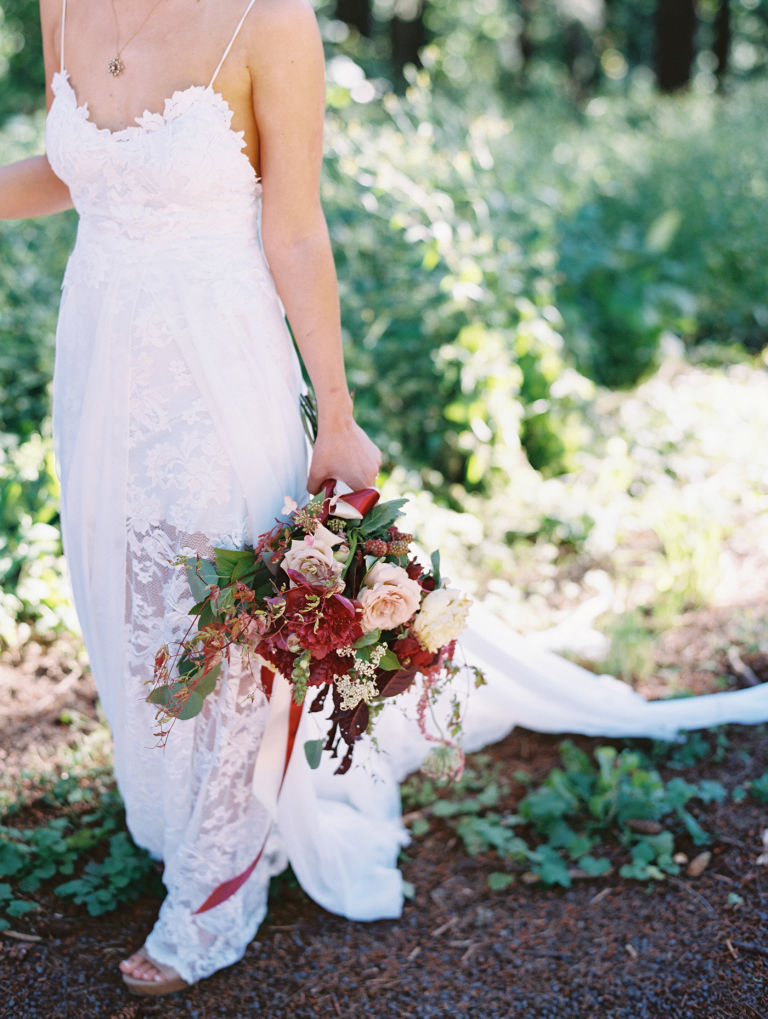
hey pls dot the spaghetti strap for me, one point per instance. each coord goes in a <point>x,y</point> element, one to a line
<point>231,42</point>
<point>63,22</point>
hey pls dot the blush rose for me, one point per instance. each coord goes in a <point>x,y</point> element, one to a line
<point>313,557</point>
<point>388,597</point>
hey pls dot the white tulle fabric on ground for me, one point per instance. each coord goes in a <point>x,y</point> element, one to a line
<point>177,428</point>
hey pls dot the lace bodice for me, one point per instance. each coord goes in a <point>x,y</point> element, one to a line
<point>176,179</point>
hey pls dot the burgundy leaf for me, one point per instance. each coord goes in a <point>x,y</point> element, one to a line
<point>396,682</point>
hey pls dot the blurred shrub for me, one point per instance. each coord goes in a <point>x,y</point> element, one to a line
<point>33,595</point>
<point>453,343</point>
<point>32,258</point>
<point>21,60</point>
<point>668,232</point>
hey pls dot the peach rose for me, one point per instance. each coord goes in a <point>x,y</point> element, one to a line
<point>389,597</point>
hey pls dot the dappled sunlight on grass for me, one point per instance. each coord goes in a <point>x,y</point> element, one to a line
<point>666,516</point>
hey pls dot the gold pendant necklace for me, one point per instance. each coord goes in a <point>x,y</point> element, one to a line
<point>116,65</point>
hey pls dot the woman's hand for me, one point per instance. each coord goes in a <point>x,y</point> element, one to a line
<point>344,452</point>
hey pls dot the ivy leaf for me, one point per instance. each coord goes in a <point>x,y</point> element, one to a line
<point>313,750</point>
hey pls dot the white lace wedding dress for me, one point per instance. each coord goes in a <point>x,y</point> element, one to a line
<point>177,428</point>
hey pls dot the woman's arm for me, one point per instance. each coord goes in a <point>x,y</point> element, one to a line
<point>288,99</point>
<point>30,187</point>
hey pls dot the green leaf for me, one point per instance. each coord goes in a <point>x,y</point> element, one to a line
<point>207,683</point>
<point>193,706</point>
<point>161,695</point>
<point>19,907</point>
<point>313,750</point>
<point>367,639</point>
<point>435,559</point>
<point>390,661</point>
<point>227,559</point>
<point>409,892</point>
<point>382,516</point>
<point>594,865</point>
<point>710,791</point>
<point>201,575</point>
<point>11,859</point>
<point>419,826</point>
<point>499,882</point>
<point>188,666</point>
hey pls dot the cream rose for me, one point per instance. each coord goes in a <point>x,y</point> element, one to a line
<point>442,617</point>
<point>313,556</point>
<point>389,597</point>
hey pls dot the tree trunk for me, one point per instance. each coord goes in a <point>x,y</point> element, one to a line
<point>525,41</point>
<point>675,43</point>
<point>722,45</point>
<point>356,13</point>
<point>407,32</point>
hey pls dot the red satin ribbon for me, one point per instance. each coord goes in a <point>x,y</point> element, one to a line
<point>363,500</point>
<point>228,888</point>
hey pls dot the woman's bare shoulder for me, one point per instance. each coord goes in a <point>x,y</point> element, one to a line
<point>285,24</point>
<point>50,14</point>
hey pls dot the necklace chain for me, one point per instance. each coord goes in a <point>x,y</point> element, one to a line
<point>116,65</point>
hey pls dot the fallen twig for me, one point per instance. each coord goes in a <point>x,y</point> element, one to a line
<point>741,669</point>
<point>750,946</point>
<point>21,937</point>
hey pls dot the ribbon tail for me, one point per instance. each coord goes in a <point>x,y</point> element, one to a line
<point>228,888</point>
<point>294,711</point>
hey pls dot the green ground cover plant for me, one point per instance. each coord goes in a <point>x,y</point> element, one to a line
<point>79,852</point>
<point>594,813</point>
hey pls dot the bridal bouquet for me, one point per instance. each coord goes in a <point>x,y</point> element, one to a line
<point>333,600</point>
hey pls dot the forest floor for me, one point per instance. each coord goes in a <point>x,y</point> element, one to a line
<point>685,947</point>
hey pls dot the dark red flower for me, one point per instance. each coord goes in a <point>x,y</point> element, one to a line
<point>411,654</point>
<point>317,623</point>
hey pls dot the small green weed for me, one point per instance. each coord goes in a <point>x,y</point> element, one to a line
<point>758,788</point>
<point>563,825</point>
<point>87,843</point>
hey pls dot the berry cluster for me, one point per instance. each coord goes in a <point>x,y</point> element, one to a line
<point>398,544</point>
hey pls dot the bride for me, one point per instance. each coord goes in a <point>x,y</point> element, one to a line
<point>188,136</point>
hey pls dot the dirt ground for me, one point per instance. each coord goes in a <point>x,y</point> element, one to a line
<point>603,949</point>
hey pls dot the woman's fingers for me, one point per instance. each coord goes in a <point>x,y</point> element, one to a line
<point>350,457</point>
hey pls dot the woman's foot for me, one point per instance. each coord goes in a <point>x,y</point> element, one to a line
<point>142,975</point>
